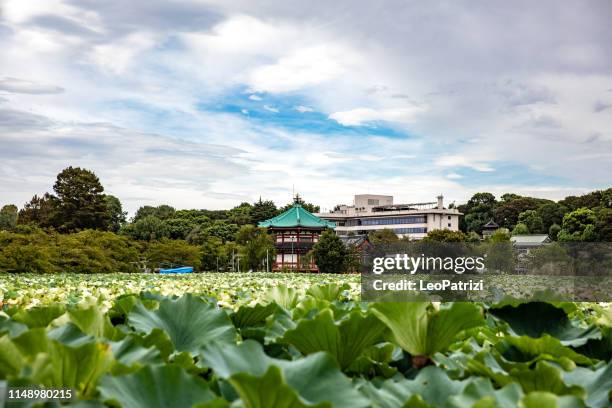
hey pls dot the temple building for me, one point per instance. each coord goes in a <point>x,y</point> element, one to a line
<point>296,231</point>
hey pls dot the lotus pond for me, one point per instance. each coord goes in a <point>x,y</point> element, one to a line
<point>265,341</point>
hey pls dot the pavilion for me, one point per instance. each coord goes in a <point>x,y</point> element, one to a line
<point>296,231</point>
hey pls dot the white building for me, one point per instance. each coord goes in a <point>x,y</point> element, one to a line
<point>376,212</point>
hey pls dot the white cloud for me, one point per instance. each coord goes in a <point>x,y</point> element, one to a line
<point>255,97</point>
<point>303,109</point>
<point>462,161</point>
<point>454,176</point>
<point>302,68</point>
<point>16,85</point>
<point>362,116</point>
<point>116,57</point>
<point>271,108</point>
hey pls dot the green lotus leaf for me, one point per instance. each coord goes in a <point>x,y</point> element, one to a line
<point>543,377</point>
<point>422,331</point>
<point>70,335</point>
<point>597,383</point>
<point>54,364</point>
<point>431,387</point>
<point>329,292</point>
<point>344,341</point>
<point>131,352</point>
<point>11,327</point>
<point>155,386</point>
<point>540,399</point>
<point>247,316</point>
<point>91,320</point>
<point>480,392</point>
<point>11,360</point>
<point>283,296</point>
<point>39,316</point>
<point>538,318</point>
<point>315,379</point>
<point>189,322</point>
<point>526,348</point>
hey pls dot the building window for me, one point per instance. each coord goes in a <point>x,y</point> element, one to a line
<point>415,219</point>
<point>449,217</point>
<point>415,230</point>
<point>372,201</point>
<point>449,224</point>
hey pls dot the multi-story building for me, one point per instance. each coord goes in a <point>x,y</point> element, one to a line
<point>376,212</point>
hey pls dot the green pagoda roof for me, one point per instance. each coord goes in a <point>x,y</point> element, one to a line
<point>297,216</point>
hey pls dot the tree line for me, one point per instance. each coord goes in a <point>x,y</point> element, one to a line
<point>79,228</point>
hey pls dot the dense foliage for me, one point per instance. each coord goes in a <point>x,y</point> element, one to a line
<point>310,346</point>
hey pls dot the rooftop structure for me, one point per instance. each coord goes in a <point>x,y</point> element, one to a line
<point>530,240</point>
<point>371,212</point>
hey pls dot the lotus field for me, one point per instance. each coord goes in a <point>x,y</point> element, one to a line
<point>266,341</point>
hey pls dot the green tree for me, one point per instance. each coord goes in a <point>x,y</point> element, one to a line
<point>553,231</point>
<point>81,202</point>
<point>299,200</point>
<point>578,225</point>
<point>445,235</point>
<point>256,244</point>
<point>213,254</point>
<point>116,215</point>
<point>532,221</point>
<point>41,211</point>
<point>590,200</point>
<point>223,230</point>
<point>163,212</point>
<point>551,213</point>
<point>263,210</point>
<point>478,211</point>
<point>173,253</point>
<point>603,226</point>
<point>507,213</point>
<point>148,228</point>
<point>520,229</point>
<point>330,253</point>
<point>179,228</point>
<point>241,214</point>
<point>8,217</point>
<point>383,236</point>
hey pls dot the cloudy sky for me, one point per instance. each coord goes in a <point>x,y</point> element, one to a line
<point>204,104</point>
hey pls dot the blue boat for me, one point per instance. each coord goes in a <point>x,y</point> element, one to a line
<point>182,269</point>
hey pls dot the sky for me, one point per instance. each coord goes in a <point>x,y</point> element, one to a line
<point>206,104</point>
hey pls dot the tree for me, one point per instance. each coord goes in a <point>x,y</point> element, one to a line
<point>81,202</point>
<point>553,231</point>
<point>589,200</point>
<point>520,229</point>
<point>163,212</point>
<point>223,230</point>
<point>116,215</point>
<point>507,213</point>
<point>41,211</point>
<point>173,253</point>
<point>263,210</point>
<point>478,211</point>
<point>240,215</point>
<point>551,213</point>
<point>603,226</point>
<point>149,228</point>
<point>383,236</point>
<point>8,217</point>
<point>256,244</point>
<point>330,253</point>
<point>445,235</point>
<point>299,200</point>
<point>532,221</point>
<point>578,225</point>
